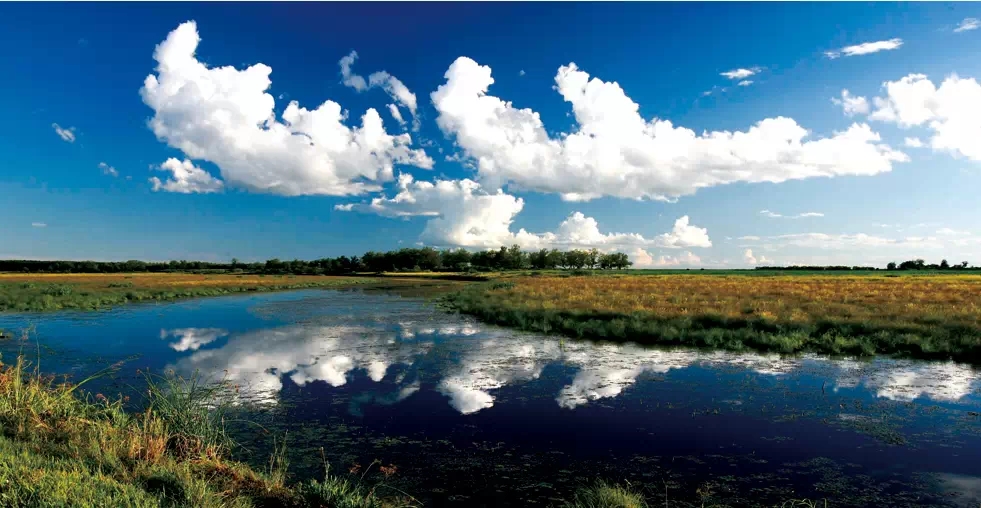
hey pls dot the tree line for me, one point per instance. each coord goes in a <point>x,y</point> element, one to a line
<point>914,264</point>
<point>402,260</point>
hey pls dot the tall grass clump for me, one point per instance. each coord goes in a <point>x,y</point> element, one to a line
<point>195,411</point>
<point>604,495</point>
<point>61,447</point>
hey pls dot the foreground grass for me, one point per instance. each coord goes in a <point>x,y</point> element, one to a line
<point>44,292</point>
<point>936,316</point>
<point>58,449</point>
<point>605,495</point>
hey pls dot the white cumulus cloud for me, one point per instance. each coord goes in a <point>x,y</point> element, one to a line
<point>65,134</point>
<point>186,178</point>
<point>684,235</point>
<point>463,214</point>
<point>851,104</point>
<point>968,24</point>
<point>951,111</point>
<point>952,232</point>
<point>865,48</point>
<point>751,259</point>
<point>745,82</point>
<point>396,114</point>
<point>741,73</point>
<point>225,116</point>
<point>108,170</point>
<point>644,259</point>
<point>852,241</point>
<point>38,225</point>
<point>381,79</point>
<point>616,152</point>
<point>913,142</point>
<point>775,215</point>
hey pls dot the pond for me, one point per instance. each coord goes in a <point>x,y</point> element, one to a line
<point>475,415</point>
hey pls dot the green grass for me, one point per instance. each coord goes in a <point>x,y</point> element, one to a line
<point>27,293</point>
<point>51,292</point>
<point>59,448</point>
<point>604,495</point>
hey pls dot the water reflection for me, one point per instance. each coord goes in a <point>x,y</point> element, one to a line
<point>907,380</point>
<point>468,363</point>
<point>444,396</point>
<point>192,338</point>
<point>258,360</point>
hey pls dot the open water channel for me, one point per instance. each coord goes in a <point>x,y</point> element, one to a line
<point>477,415</point>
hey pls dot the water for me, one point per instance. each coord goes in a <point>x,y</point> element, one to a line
<point>475,415</point>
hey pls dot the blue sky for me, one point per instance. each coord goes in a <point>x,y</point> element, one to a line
<point>548,155</point>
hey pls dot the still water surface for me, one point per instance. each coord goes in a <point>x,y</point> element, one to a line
<point>476,415</point>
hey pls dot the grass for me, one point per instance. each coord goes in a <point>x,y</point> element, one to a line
<point>61,448</point>
<point>45,292</point>
<point>605,495</point>
<point>928,316</point>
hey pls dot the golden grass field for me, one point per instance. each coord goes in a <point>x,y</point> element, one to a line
<point>953,298</point>
<point>928,316</point>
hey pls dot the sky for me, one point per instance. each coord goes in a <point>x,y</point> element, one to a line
<point>722,135</point>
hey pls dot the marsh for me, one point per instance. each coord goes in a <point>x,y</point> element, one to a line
<point>463,413</point>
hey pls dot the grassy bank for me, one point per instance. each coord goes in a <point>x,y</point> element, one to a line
<point>934,316</point>
<point>58,448</point>
<point>44,292</point>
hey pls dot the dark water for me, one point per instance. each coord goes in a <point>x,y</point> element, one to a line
<point>473,415</point>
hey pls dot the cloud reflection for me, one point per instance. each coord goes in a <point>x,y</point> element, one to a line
<point>468,363</point>
<point>191,339</point>
<point>258,360</point>
<point>906,381</point>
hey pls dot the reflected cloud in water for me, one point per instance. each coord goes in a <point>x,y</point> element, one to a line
<point>966,490</point>
<point>191,339</point>
<point>469,362</point>
<point>907,380</point>
<point>492,364</point>
<point>258,360</point>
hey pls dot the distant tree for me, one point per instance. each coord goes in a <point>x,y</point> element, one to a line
<point>458,259</point>
<point>621,261</point>
<point>554,259</point>
<point>517,259</point>
<point>592,258</point>
<point>538,260</point>
<point>891,265</point>
<point>944,265</point>
<point>574,258</point>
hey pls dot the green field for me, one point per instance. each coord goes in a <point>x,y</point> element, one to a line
<point>49,292</point>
